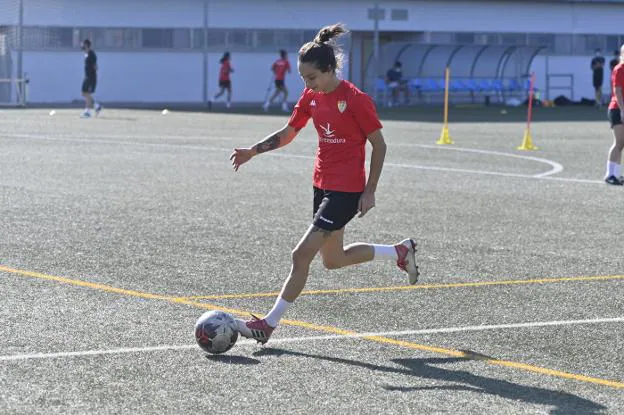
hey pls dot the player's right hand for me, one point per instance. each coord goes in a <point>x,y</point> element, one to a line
<point>241,156</point>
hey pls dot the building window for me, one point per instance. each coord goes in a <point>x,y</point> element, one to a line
<point>376,13</point>
<point>288,39</point>
<point>541,40</point>
<point>465,38</point>
<point>564,45</point>
<point>156,38</point>
<point>399,14</point>
<point>239,38</point>
<point>264,38</point>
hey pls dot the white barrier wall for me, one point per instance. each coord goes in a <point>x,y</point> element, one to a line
<point>151,76</point>
<point>578,66</point>
<point>177,76</point>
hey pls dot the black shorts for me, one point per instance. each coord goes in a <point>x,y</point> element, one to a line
<point>333,210</point>
<point>88,84</point>
<point>225,84</point>
<point>597,79</point>
<point>279,83</point>
<point>615,117</point>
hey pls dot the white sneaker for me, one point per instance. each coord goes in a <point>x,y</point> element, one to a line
<point>406,251</point>
<point>228,105</point>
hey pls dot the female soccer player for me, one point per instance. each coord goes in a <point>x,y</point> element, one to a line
<point>344,118</point>
<point>225,83</point>
<point>616,115</point>
<point>279,68</point>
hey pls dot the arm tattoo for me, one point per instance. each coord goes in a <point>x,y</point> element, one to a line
<point>270,143</point>
<point>325,232</point>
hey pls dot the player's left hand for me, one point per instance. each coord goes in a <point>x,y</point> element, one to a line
<point>366,203</point>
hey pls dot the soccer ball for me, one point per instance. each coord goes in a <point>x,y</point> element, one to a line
<point>216,332</point>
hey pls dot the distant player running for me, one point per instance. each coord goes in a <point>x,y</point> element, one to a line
<point>344,118</point>
<point>90,80</point>
<point>597,67</point>
<point>225,83</point>
<point>616,115</point>
<point>279,68</point>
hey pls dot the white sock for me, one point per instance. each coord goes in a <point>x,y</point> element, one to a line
<point>279,309</point>
<point>385,252</point>
<point>613,169</point>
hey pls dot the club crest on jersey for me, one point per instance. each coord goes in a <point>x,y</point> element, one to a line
<point>342,106</point>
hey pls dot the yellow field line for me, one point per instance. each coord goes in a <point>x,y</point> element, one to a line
<point>316,327</point>
<point>410,287</point>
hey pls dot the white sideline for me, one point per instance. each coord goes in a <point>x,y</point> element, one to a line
<point>278,340</point>
<point>555,167</point>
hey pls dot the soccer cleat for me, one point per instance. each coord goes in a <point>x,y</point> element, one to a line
<point>256,328</point>
<point>406,251</point>
<point>614,181</point>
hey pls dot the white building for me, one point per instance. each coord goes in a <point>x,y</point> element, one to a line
<point>153,50</point>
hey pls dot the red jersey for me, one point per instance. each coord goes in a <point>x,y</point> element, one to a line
<point>343,119</point>
<point>617,79</point>
<point>280,67</point>
<point>224,72</point>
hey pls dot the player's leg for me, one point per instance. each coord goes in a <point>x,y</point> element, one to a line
<point>276,92</point>
<point>337,209</point>
<point>218,94</point>
<point>302,256</point>
<point>285,97</point>
<point>597,82</point>
<point>614,162</point>
<point>335,255</point>
<point>85,90</point>
<point>228,98</point>
<point>96,105</point>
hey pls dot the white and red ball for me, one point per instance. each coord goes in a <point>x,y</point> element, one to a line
<point>216,332</point>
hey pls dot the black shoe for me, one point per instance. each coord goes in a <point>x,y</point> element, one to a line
<point>614,181</point>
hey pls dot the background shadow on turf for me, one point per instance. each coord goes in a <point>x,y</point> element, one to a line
<point>562,402</point>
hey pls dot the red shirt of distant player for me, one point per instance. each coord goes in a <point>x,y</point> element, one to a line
<point>617,79</point>
<point>224,72</point>
<point>343,119</point>
<point>280,67</point>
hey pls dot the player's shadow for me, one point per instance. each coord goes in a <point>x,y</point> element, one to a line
<point>232,359</point>
<point>562,402</point>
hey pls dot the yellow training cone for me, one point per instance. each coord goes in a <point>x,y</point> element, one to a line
<point>527,141</point>
<point>445,138</point>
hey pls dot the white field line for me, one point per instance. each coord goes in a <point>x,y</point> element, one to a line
<point>245,342</point>
<point>555,167</point>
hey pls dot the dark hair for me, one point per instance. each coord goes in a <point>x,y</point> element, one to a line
<point>397,64</point>
<point>283,53</point>
<point>323,52</point>
<point>86,42</point>
<point>225,57</point>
